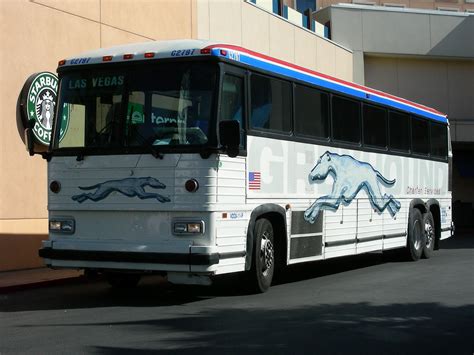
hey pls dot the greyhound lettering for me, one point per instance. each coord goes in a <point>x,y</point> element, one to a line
<point>350,176</point>
<point>129,187</point>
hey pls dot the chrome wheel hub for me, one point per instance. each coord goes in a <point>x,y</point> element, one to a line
<point>429,232</point>
<point>266,253</point>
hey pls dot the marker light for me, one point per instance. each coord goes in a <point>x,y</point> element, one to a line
<point>62,62</point>
<point>55,186</point>
<point>149,55</point>
<point>192,185</point>
<point>223,52</point>
<point>128,56</point>
<point>206,51</point>
<point>107,58</point>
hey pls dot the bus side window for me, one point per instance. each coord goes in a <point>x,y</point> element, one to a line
<point>311,112</point>
<point>399,128</point>
<point>345,119</point>
<point>232,102</point>
<point>420,133</point>
<point>439,140</point>
<point>270,104</point>
<point>375,126</point>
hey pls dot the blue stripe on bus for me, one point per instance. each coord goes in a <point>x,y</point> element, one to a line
<point>271,67</point>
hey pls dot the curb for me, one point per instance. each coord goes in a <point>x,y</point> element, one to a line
<point>42,283</point>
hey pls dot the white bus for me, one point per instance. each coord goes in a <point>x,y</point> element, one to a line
<point>194,159</point>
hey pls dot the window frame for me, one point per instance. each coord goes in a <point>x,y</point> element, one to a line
<point>328,122</point>
<point>387,131</point>
<point>264,131</point>
<point>345,143</point>
<point>421,119</point>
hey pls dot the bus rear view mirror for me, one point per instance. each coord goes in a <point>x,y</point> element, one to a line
<point>229,135</point>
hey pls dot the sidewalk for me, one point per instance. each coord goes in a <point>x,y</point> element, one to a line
<point>17,280</point>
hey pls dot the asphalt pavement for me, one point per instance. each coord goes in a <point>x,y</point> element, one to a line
<point>368,304</point>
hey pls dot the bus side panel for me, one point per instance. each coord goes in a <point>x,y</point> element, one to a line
<point>340,230</point>
<point>395,228</point>
<point>369,226</point>
<point>231,217</point>
<point>446,212</point>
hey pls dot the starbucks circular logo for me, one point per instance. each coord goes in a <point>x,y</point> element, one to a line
<point>41,94</point>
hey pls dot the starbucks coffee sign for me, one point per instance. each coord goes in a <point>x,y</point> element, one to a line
<point>37,105</point>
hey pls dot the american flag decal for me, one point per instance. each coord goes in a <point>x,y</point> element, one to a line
<point>254,180</point>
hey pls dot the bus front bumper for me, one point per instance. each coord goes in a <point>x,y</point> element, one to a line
<point>181,257</point>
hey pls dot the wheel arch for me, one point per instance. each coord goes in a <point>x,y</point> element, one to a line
<point>419,204</point>
<point>277,217</point>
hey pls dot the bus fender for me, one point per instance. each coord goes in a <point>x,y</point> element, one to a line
<point>257,213</point>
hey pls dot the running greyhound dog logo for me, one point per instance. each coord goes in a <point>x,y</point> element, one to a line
<point>350,176</point>
<point>129,187</point>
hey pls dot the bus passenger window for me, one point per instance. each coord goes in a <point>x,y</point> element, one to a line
<point>420,133</point>
<point>399,128</point>
<point>375,126</point>
<point>311,112</point>
<point>439,141</point>
<point>232,102</point>
<point>270,104</point>
<point>345,119</point>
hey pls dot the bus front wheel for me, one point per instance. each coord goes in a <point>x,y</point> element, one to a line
<point>263,263</point>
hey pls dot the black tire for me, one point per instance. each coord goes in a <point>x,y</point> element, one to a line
<point>416,235</point>
<point>122,280</point>
<point>430,235</point>
<point>263,258</point>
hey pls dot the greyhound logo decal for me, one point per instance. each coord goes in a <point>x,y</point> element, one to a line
<point>350,176</point>
<point>129,187</point>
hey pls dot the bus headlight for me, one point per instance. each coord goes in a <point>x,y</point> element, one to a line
<point>62,226</point>
<point>186,228</point>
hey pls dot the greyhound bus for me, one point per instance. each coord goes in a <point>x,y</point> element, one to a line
<point>193,159</point>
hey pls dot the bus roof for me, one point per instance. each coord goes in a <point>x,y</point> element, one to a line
<point>193,48</point>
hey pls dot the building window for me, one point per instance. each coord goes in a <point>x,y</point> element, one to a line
<point>303,5</point>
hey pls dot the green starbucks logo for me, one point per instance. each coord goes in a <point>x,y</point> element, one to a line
<point>40,107</point>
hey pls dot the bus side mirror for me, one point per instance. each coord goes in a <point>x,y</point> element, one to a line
<point>229,135</point>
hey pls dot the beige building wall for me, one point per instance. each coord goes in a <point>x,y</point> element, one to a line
<point>35,34</point>
<point>447,85</point>
<point>242,23</point>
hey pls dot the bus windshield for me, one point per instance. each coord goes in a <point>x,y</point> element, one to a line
<point>168,104</point>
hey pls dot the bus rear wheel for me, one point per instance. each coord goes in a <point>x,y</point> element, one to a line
<point>430,235</point>
<point>263,263</point>
<point>416,235</point>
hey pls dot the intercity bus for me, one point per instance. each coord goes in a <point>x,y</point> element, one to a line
<point>194,159</point>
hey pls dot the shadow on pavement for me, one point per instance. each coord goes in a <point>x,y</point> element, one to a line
<point>153,293</point>
<point>463,239</point>
<point>359,328</point>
